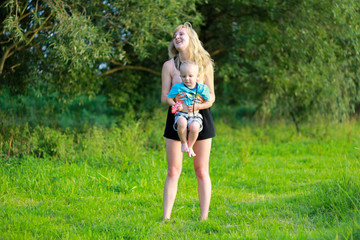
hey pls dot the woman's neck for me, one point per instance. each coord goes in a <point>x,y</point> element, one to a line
<point>183,56</point>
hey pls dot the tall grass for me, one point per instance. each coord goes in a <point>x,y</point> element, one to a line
<point>107,183</point>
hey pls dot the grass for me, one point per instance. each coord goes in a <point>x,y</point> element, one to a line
<point>268,183</point>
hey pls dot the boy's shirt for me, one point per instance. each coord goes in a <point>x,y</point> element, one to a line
<point>202,90</point>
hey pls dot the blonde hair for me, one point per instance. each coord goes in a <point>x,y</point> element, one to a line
<point>196,51</point>
<point>190,63</point>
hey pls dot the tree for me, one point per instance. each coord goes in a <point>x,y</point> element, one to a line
<point>74,44</point>
<point>292,58</point>
<point>295,58</point>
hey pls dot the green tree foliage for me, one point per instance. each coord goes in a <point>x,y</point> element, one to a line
<point>293,58</point>
<point>68,44</point>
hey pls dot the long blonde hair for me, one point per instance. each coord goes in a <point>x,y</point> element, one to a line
<point>196,50</point>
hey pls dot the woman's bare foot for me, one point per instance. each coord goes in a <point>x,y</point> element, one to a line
<point>166,219</point>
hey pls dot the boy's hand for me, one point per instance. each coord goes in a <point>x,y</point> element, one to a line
<point>180,107</point>
<point>176,107</point>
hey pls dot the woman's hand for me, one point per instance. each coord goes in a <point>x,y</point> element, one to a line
<point>193,108</point>
<point>199,99</point>
<point>180,97</point>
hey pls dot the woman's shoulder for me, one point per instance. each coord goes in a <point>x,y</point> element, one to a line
<point>169,63</point>
<point>168,66</point>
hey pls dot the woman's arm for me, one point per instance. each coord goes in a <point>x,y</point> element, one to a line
<point>166,82</point>
<point>209,81</point>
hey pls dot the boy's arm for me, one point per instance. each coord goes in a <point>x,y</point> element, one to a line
<point>172,94</point>
<point>206,95</point>
<point>170,101</point>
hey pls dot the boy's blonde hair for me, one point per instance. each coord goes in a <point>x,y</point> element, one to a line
<point>196,50</point>
<point>188,62</point>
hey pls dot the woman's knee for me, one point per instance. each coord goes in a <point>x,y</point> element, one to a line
<point>174,172</point>
<point>202,173</point>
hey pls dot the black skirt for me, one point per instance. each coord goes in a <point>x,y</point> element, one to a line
<point>208,126</point>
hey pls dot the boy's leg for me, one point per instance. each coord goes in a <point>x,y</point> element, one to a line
<point>182,131</point>
<point>194,129</point>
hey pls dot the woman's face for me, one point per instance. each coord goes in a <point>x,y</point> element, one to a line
<point>181,39</point>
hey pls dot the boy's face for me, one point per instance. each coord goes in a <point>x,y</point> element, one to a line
<point>189,75</point>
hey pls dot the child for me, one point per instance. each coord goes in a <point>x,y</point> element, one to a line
<point>185,120</point>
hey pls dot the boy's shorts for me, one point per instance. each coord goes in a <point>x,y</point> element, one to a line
<point>190,117</point>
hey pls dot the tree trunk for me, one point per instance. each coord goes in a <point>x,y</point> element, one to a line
<point>296,123</point>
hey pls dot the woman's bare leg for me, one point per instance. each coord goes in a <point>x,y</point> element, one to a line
<point>174,159</point>
<point>202,149</point>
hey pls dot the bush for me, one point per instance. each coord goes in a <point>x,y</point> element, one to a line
<point>39,107</point>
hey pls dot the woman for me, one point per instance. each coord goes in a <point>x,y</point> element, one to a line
<point>187,46</point>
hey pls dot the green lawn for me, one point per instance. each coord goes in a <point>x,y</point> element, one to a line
<point>268,183</point>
